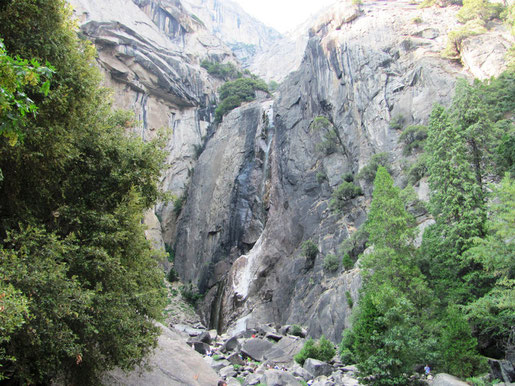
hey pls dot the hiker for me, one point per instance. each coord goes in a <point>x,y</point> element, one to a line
<point>427,370</point>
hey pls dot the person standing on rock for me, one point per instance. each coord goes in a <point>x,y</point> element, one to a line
<point>427,370</point>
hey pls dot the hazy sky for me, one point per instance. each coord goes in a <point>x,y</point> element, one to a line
<point>283,15</point>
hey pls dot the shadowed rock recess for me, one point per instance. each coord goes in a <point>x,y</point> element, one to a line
<point>258,185</point>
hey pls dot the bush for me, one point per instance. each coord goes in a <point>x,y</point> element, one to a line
<point>273,85</point>
<point>309,249</point>
<point>190,294</point>
<point>225,71</point>
<point>368,172</point>
<point>296,330</point>
<point>321,177</point>
<point>323,350</point>
<point>234,93</point>
<point>344,192</point>
<point>331,263</point>
<point>413,137</point>
<point>172,275</point>
<point>348,296</point>
<point>418,169</point>
<point>347,262</point>
<point>478,10</point>
<point>320,122</point>
<point>329,144</point>
<point>178,204</point>
<point>456,37</point>
<point>397,122</point>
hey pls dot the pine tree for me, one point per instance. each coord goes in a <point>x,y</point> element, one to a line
<point>387,332</point>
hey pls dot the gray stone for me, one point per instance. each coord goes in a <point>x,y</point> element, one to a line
<point>200,347</point>
<point>252,379</point>
<point>301,372</point>
<point>205,337</point>
<point>274,336</point>
<point>317,368</point>
<point>256,348</point>
<point>350,368</point>
<point>502,369</point>
<point>233,382</point>
<point>236,359</point>
<point>279,378</point>
<point>443,379</point>
<point>322,381</point>
<point>231,345</point>
<point>213,335</point>
<point>186,368</point>
<point>188,330</point>
<point>219,365</point>
<point>283,351</point>
<point>227,372</point>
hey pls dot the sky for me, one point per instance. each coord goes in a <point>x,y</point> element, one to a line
<point>283,15</point>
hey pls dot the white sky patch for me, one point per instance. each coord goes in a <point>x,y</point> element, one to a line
<point>283,15</point>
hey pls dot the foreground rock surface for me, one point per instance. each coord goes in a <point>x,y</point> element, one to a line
<point>173,363</point>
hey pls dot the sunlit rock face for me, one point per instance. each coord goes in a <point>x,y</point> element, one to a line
<point>362,67</point>
<point>225,19</point>
<point>149,52</point>
<point>259,184</point>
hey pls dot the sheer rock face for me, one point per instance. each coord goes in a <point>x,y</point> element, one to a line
<point>262,183</point>
<point>361,68</point>
<point>149,52</point>
<point>228,21</point>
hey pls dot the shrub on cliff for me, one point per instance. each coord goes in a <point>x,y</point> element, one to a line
<point>342,194</point>
<point>234,93</point>
<point>223,71</point>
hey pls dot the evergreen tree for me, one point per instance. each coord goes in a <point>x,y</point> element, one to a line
<point>493,314</point>
<point>387,336</point>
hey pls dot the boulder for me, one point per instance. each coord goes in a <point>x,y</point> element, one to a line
<point>219,365</point>
<point>213,334</point>
<point>236,359</point>
<point>231,345</point>
<point>227,372</point>
<point>284,351</point>
<point>279,378</point>
<point>200,347</point>
<point>205,337</point>
<point>443,379</point>
<point>274,336</point>
<point>502,369</point>
<point>188,330</point>
<point>233,382</point>
<point>252,379</point>
<point>301,372</point>
<point>317,368</point>
<point>186,368</point>
<point>322,381</point>
<point>256,348</point>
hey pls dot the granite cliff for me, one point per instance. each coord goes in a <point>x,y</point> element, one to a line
<point>261,184</point>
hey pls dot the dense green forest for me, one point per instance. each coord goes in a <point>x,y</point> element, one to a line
<point>451,302</point>
<point>79,283</point>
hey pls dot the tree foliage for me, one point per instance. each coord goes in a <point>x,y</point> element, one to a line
<point>73,250</point>
<point>234,93</point>
<point>17,76</point>
<point>322,350</point>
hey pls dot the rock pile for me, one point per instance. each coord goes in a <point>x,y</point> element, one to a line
<point>264,355</point>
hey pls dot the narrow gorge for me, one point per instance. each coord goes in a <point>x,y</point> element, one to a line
<point>250,193</point>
